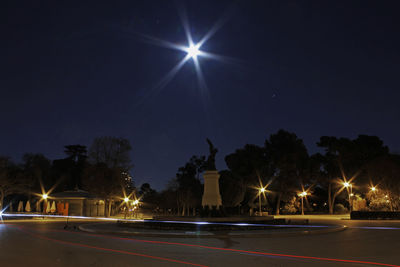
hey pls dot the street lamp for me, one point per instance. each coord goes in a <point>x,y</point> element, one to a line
<point>44,197</point>
<point>373,189</point>
<point>302,195</point>
<point>136,202</point>
<point>262,190</point>
<point>347,185</point>
<point>126,200</point>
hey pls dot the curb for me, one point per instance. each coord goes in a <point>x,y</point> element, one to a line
<point>86,228</point>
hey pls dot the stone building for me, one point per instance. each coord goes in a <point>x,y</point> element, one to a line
<point>80,203</point>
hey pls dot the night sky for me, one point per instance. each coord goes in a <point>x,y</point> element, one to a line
<point>71,72</point>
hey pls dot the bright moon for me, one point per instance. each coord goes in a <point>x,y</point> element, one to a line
<point>193,51</point>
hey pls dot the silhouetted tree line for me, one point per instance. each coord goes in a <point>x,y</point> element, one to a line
<point>282,163</point>
<point>103,171</point>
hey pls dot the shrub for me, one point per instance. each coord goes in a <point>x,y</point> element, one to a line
<point>291,207</point>
<point>340,209</point>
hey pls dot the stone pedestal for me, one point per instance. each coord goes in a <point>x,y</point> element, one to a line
<point>211,195</point>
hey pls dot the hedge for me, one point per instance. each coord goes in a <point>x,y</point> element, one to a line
<point>374,215</point>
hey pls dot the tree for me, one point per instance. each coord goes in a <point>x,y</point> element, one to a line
<point>248,167</point>
<point>288,159</point>
<point>232,189</point>
<point>367,150</point>
<point>168,199</point>
<point>336,161</point>
<point>75,162</point>
<point>112,151</point>
<point>77,153</point>
<point>37,170</point>
<point>11,180</point>
<point>189,187</point>
<point>384,174</point>
<point>105,182</point>
<point>346,159</point>
<point>107,174</point>
<point>148,196</point>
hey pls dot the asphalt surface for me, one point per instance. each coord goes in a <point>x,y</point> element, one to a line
<point>199,232</point>
<point>36,243</point>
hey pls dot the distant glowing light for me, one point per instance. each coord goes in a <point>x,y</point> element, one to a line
<point>373,189</point>
<point>136,202</point>
<point>262,190</point>
<point>193,51</point>
<point>191,48</point>
<point>45,196</point>
<point>126,199</point>
<point>346,184</point>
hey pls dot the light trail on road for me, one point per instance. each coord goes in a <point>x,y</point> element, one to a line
<point>250,252</point>
<point>177,222</point>
<point>194,222</point>
<point>247,252</point>
<point>374,227</point>
<point>107,249</point>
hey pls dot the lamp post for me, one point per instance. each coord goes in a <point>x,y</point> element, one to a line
<point>347,185</point>
<point>262,190</point>
<point>126,200</point>
<point>44,197</point>
<point>302,195</point>
<point>135,206</point>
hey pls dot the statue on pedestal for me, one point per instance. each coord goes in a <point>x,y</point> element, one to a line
<point>211,194</point>
<point>210,163</point>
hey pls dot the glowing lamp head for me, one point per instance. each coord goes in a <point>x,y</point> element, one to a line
<point>262,190</point>
<point>126,199</point>
<point>373,189</point>
<point>136,202</point>
<point>303,194</point>
<point>45,196</point>
<point>193,51</point>
<point>346,184</point>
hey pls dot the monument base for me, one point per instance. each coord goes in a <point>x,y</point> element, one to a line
<point>211,195</point>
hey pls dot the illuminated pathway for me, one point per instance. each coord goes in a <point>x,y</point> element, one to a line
<point>47,244</point>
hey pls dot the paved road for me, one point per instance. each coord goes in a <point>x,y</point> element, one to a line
<point>48,244</point>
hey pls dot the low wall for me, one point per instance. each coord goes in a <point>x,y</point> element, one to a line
<point>375,215</point>
<point>215,219</point>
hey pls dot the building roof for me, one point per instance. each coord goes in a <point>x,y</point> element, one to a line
<point>73,194</point>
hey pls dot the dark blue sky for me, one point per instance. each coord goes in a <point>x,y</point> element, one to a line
<point>74,71</point>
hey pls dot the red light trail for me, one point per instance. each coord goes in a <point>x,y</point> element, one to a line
<point>248,252</point>
<point>197,246</point>
<point>109,249</point>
